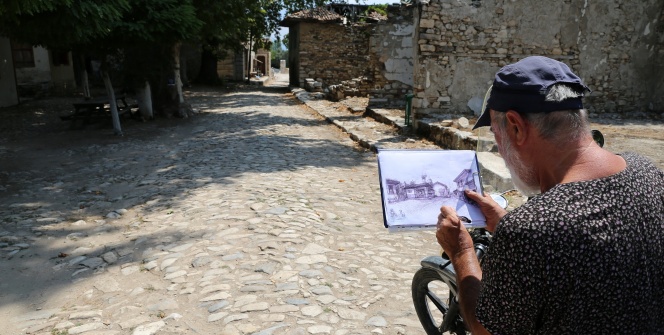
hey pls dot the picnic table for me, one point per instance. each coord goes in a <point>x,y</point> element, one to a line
<point>86,110</point>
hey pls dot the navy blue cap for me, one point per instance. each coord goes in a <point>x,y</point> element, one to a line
<point>523,86</point>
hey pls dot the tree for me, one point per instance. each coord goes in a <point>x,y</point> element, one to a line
<point>278,53</point>
<point>285,40</point>
<point>103,28</point>
<point>130,30</point>
<point>155,30</point>
<point>230,24</point>
<point>64,24</point>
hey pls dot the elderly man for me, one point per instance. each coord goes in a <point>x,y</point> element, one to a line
<point>584,256</point>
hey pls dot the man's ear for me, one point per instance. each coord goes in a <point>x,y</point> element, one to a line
<point>516,126</point>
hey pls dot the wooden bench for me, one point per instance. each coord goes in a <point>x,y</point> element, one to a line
<point>96,108</point>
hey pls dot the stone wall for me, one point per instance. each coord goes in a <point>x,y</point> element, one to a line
<point>8,92</point>
<point>231,67</point>
<point>358,59</point>
<point>331,53</point>
<point>615,46</point>
<point>391,57</point>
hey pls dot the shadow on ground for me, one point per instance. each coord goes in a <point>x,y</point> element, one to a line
<point>58,186</point>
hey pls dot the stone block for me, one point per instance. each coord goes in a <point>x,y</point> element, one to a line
<point>432,37</point>
<point>427,23</point>
<point>427,48</point>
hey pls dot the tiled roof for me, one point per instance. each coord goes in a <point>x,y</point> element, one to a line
<point>319,14</point>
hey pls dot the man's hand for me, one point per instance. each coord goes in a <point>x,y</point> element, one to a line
<point>489,207</point>
<point>456,241</point>
<point>451,233</point>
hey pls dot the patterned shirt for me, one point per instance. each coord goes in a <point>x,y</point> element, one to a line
<point>584,257</point>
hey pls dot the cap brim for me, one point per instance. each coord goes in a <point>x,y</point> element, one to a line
<point>484,120</point>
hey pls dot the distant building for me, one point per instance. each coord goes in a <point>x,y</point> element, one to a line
<point>33,70</point>
<point>234,65</point>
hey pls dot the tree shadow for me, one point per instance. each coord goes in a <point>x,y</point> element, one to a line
<point>52,179</point>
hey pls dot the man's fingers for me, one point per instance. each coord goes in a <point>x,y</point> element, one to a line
<point>448,211</point>
<point>475,196</point>
<point>481,199</point>
<point>448,214</point>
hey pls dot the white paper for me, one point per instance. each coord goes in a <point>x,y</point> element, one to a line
<point>416,183</point>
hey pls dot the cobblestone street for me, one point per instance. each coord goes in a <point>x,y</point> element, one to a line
<point>253,217</point>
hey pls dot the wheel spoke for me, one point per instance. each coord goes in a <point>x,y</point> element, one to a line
<point>442,307</point>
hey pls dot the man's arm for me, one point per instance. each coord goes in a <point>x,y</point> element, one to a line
<point>458,245</point>
<point>469,276</point>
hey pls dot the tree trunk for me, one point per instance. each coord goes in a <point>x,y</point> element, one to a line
<point>249,60</point>
<point>117,129</point>
<point>208,74</point>
<point>176,71</point>
<point>183,71</point>
<point>144,99</point>
<point>86,84</point>
<point>84,80</point>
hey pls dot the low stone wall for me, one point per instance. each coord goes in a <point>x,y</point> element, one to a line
<point>355,87</point>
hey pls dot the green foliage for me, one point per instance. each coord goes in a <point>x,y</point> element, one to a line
<point>286,41</point>
<point>60,24</point>
<point>380,9</point>
<point>140,34</point>
<point>229,24</point>
<point>10,9</point>
<point>59,332</point>
<point>159,21</point>
<point>277,54</point>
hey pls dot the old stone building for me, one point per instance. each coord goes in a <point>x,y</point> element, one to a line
<point>234,65</point>
<point>323,48</point>
<point>446,51</point>
<point>356,54</point>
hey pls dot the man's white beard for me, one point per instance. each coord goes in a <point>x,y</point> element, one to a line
<point>523,177</point>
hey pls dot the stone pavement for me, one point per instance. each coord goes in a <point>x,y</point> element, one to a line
<point>256,216</point>
<point>253,217</point>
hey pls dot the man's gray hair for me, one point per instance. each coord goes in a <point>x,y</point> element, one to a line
<point>559,126</point>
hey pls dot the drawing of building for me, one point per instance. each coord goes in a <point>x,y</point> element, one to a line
<point>394,189</point>
<point>465,181</point>
<point>419,190</point>
<point>426,189</point>
<point>441,190</point>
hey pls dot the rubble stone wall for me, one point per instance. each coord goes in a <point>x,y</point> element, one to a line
<point>231,67</point>
<point>360,59</point>
<point>615,47</point>
<point>331,53</point>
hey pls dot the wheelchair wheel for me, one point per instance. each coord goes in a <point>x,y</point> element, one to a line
<point>433,293</point>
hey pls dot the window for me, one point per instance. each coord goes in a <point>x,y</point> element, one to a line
<point>60,57</point>
<point>23,55</point>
